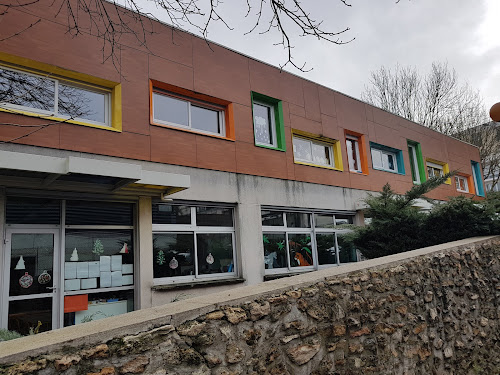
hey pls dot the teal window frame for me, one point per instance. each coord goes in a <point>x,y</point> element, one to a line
<point>420,162</point>
<point>478,180</point>
<point>278,119</point>
<point>397,152</point>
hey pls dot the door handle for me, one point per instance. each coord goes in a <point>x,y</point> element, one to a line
<point>51,287</point>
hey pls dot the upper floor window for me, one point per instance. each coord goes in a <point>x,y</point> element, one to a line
<point>179,111</point>
<point>352,143</point>
<point>416,162</point>
<point>478,181</point>
<point>387,158</point>
<point>268,123</point>
<point>462,184</point>
<point>308,151</point>
<point>53,96</point>
<point>434,170</point>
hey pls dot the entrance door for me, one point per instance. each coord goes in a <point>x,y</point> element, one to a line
<point>31,285</point>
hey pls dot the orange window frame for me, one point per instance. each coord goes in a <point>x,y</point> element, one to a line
<point>362,151</point>
<point>194,97</point>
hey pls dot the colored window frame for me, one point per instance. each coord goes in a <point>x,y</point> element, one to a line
<point>357,160</point>
<point>478,181</point>
<point>194,225</point>
<point>332,145</point>
<point>79,81</point>
<point>462,183</point>
<point>391,153</point>
<point>277,126</point>
<point>291,226</point>
<point>416,162</point>
<point>433,166</point>
<point>191,99</point>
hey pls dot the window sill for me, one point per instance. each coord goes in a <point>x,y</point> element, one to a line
<point>274,276</point>
<point>358,172</point>
<point>318,166</point>
<point>58,120</point>
<point>198,283</point>
<point>192,131</point>
<point>388,171</point>
<point>276,148</point>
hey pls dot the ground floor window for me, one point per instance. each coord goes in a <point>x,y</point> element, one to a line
<point>305,240</point>
<point>69,262</point>
<point>192,242</point>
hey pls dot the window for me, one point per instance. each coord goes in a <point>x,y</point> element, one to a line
<point>297,241</point>
<point>416,162</point>
<point>434,170</point>
<point>478,181</point>
<point>387,158</point>
<point>268,126</point>
<point>307,151</point>
<point>462,184</point>
<point>352,144</point>
<point>59,97</point>
<point>192,242</point>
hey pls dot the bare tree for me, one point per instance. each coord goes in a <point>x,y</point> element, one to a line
<point>438,100</point>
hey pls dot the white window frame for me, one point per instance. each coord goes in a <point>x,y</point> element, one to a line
<point>272,108</point>
<point>355,143</point>
<point>413,156</point>
<point>197,103</point>
<point>54,112</point>
<point>312,142</point>
<point>466,183</point>
<point>312,232</point>
<point>385,167</point>
<point>194,229</point>
<point>434,166</point>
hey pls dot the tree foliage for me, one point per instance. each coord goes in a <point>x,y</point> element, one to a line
<point>397,226</point>
<point>438,100</point>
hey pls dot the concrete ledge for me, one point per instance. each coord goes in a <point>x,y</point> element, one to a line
<point>197,284</point>
<point>106,329</point>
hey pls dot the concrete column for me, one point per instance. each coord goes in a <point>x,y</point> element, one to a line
<point>359,218</point>
<point>251,250</point>
<point>3,298</point>
<point>144,253</point>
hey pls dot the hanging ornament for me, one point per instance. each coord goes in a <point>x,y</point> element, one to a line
<point>124,249</point>
<point>20,264</point>
<point>44,278</point>
<point>26,280</point>
<point>210,258</point>
<point>74,256</point>
<point>173,263</point>
<point>160,258</point>
<point>98,247</point>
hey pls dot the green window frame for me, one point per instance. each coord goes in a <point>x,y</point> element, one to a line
<point>276,127</point>
<point>416,162</point>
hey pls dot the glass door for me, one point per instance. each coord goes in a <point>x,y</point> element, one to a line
<point>31,285</point>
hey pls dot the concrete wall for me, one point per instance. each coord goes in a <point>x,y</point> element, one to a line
<point>428,311</point>
<point>186,61</point>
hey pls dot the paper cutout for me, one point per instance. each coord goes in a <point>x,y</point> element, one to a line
<point>210,258</point>
<point>124,249</point>
<point>44,278</point>
<point>173,263</point>
<point>20,264</point>
<point>74,256</point>
<point>26,280</point>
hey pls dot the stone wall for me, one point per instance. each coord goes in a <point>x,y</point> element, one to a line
<point>431,311</point>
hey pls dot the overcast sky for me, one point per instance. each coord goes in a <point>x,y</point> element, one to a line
<point>465,33</point>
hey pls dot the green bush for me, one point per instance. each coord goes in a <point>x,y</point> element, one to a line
<point>6,335</point>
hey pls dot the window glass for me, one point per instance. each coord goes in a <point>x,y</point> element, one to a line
<point>344,220</point>
<point>173,254</point>
<point>300,249</point>
<point>272,218</point>
<point>325,243</point>
<point>33,211</point>
<point>302,149</point>
<point>27,90</point>
<point>324,220</point>
<point>353,154</point>
<point>461,183</point>
<point>347,251</point>
<point>76,102</point>
<point>205,119</point>
<point>263,124</point>
<point>389,161</point>
<point>275,250</point>
<point>215,253</point>
<point>298,220</point>
<point>98,213</point>
<point>415,173</point>
<point>169,109</point>
<point>30,314</point>
<point>321,154</point>
<point>377,158</point>
<point>171,214</point>
<point>214,216</point>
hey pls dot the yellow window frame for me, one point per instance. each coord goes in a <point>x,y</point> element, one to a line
<point>446,168</point>
<point>81,79</point>
<point>334,143</point>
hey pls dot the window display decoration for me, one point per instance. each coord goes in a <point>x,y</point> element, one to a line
<point>173,263</point>
<point>98,247</point>
<point>210,258</point>
<point>74,256</point>
<point>26,280</point>
<point>160,258</point>
<point>124,249</point>
<point>44,278</point>
<point>20,264</point>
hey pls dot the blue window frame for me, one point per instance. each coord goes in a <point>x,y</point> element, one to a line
<point>478,181</point>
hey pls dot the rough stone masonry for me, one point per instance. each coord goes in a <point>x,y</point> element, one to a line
<point>432,314</point>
